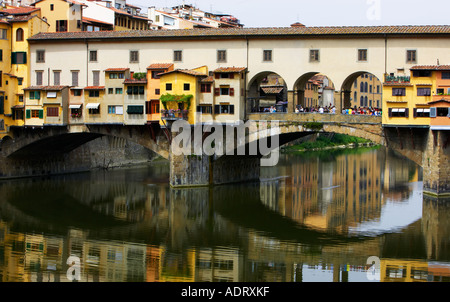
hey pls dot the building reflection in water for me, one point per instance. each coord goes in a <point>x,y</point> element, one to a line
<point>195,235</point>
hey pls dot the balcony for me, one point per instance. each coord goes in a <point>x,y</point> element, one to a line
<point>391,79</point>
<point>174,115</point>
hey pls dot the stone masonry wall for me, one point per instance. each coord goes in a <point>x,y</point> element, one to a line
<point>102,153</point>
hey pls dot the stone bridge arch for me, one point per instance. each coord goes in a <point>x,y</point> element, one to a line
<point>47,141</point>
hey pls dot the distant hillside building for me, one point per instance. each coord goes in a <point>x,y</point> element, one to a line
<point>187,16</point>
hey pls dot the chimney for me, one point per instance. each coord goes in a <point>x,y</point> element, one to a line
<point>298,24</point>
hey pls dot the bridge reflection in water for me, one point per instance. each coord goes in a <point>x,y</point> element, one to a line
<point>312,218</point>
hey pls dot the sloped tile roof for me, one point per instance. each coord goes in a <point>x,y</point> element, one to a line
<point>207,80</point>
<point>160,66</point>
<point>94,88</point>
<point>46,88</point>
<point>135,81</point>
<point>229,69</point>
<point>20,10</point>
<point>247,32</point>
<point>116,69</point>
<point>186,71</point>
<point>431,67</point>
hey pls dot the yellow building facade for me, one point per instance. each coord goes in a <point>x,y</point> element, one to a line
<point>17,24</point>
<point>419,99</point>
<point>180,93</point>
<point>61,15</point>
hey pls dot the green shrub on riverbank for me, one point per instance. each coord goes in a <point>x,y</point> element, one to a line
<point>323,142</point>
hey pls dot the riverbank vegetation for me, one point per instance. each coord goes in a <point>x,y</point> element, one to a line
<point>324,142</point>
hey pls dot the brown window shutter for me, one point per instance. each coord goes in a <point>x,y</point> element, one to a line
<point>216,91</point>
<point>231,91</point>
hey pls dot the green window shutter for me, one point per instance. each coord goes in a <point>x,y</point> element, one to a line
<point>2,105</point>
<point>28,113</point>
<point>37,95</point>
<point>41,113</point>
<point>133,109</point>
<point>13,58</point>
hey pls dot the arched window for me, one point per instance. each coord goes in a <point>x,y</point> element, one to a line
<point>362,87</point>
<point>366,87</point>
<point>19,34</point>
<point>361,102</point>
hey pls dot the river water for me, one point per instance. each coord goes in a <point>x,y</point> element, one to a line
<point>355,215</point>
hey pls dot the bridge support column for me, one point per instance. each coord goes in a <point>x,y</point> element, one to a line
<point>291,100</point>
<point>347,100</point>
<point>200,171</point>
<point>436,170</point>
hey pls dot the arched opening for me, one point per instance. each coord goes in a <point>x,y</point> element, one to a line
<point>362,91</point>
<point>267,91</point>
<point>313,91</point>
<point>19,34</point>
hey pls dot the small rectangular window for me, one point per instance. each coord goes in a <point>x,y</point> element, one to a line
<point>177,55</point>
<point>169,86</point>
<point>314,55</point>
<point>445,75</point>
<point>187,86</point>
<point>267,55</point>
<point>398,92</point>
<point>93,56</point>
<point>52,111</point>
<point>111,109</point>
<point>39,75</point>
<point>205,88</point>
<point>96,77</point>
<point>362,55</point>
<point>134,56</point>
<point>423,91</point>
<point>411,56</point>
<point>40,56</point>
<point>94,93</point>
<point>4,34</point>
<point>221,56</point>
<point>75,78</point>
<point>56,78</point>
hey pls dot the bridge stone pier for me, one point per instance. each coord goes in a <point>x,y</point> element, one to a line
<point>430,149</point>
<point>213,157</point>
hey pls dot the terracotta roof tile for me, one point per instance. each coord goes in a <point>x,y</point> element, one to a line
<point>46,88</point>
<point>160,66</point>
<point>246,32</point>
<point>186,71</point>
<point>116,69</point>
<point>135,81</point>
<point>20,10</point>
<point>90,20</point>
<point>229,69</point>
<point>207,80</point>
<point>94,88</point>
<point>431,67</point>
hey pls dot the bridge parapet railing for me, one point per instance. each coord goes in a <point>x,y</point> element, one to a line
<point>316,117</point>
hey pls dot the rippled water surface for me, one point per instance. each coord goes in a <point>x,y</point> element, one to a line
<point>314,217</point>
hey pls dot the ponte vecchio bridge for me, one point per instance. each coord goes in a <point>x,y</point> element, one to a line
<point>294,54</point>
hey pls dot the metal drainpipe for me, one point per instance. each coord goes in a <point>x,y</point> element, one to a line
<point>87,62</point>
